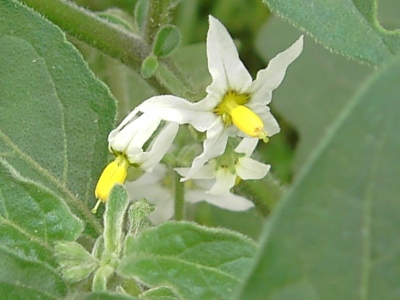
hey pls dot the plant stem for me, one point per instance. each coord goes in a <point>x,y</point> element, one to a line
<point>179,198</point>
<point>111,39</point>
<point>91,29</point>
<point>156,16</point>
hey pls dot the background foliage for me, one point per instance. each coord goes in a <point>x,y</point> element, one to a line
<point>332,235</point>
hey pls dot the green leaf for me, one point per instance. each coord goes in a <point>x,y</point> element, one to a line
<point>195,261</point>
<point>316,87</point>
<point>388,14</point>
<point>167,40</point>
<point>75,262</point>
<point>25,279</point>
<point>160,293</point>
<point>101,277</point>
<point>127,86</point>
<point>32,218</point>
<point>55,114</point>
<point>114,222</point>
<point>347,27</point>
<point>335,235</point>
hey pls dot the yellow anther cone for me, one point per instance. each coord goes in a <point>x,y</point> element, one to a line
<point>248,122</point>
<point>115,173</point>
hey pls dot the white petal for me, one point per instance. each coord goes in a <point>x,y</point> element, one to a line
<point>271,77</point>
<point>224,180</point>
<point>158,147</point>
<point>119,140</point>
<point>164,210</point>
<point>149,178</point>
<point>129,118</point>
<point>226,201</point>
<point>271,126</point>
<point>146,125</point>
<point>247,146</point>
<point>121,144</point>
<point>224,64</point>
<point>205,172</point>
<point>133,135</point>
<point>247,168</point>
<point>149,187</point>
<point>150,191</point>
<point>213,146</point>
<point>175,109</point>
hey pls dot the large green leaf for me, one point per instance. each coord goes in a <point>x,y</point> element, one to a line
<point>315,89</point>
<point>348,27</point>
<point>55,115</point>
<point>388,14</point>
<point>24,279</point>
<point>197,262</point>
<point>335,235</point>
<point>32,218</point>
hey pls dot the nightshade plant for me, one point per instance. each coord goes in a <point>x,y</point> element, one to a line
<point>89,186</point>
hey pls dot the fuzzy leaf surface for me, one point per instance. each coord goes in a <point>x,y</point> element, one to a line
<point>335,234</point>
<point>55,115</point>
<point>195,261</point>
<point>348,27</point>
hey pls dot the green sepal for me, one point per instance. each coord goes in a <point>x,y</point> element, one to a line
<point>137,215</point>
<point>167,40</point>
<point>141,9</point>
<point>149,66</point>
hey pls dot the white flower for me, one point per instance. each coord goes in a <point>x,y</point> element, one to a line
<point>157,190</point>
<point>127,143</point>
<point>232,97</point>
<point>227,174</point>
<point>130,136</point>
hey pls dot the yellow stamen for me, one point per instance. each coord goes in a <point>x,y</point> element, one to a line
<point>115,173</point>
<point>248,122</point>
<point>238,180</point>
<point>230,100</point>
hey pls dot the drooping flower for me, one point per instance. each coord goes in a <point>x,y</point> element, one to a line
<point>230,168</point>
<point>127,143</point>
<point>235,105</point>
<point>156,188</point>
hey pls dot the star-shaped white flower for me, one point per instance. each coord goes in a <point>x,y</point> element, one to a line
<point>127,143</point>
<point>155,189</point>
<point>235,105</point>
<point>227,174</point>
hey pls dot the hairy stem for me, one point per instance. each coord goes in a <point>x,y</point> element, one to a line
<point>179,198</point>
<point>109,38</point>
<point>157,15</point>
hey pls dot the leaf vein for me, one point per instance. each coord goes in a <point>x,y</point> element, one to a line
<point>71,199</point>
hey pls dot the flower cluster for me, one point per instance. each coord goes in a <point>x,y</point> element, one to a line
<point>235,107</point>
